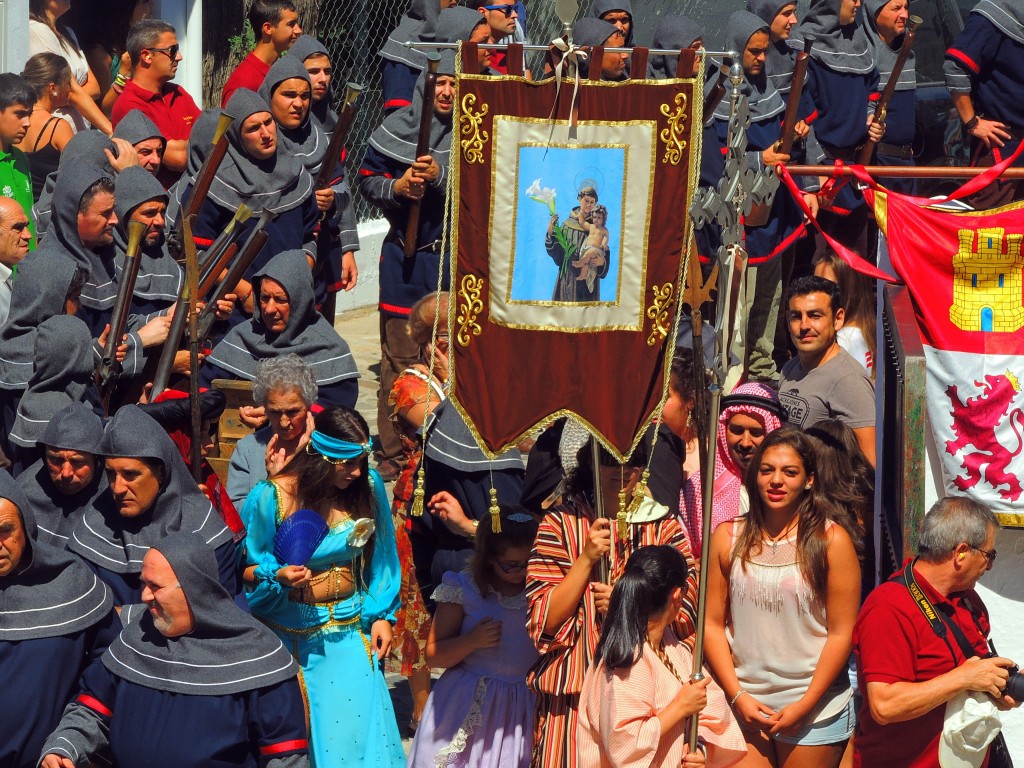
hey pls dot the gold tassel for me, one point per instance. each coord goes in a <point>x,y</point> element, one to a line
<point>620,518</point>
<point>639,491</point>
<point>495,511</point>
<point>416,510</point>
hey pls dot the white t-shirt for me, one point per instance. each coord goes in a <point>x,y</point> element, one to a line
<point>41,39</point>
<point>852,340</point>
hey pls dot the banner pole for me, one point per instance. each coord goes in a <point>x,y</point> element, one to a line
<point>604,567</point>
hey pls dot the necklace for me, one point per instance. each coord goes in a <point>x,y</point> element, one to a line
<point>659,651</point>
<point>782,535</point>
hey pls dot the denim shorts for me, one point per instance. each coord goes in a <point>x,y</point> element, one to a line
<point>835,729</point>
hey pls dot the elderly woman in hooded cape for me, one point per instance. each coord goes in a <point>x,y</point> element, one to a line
<point>258,172</point>
<point>62,373</point>
<point>286,321</point>
<point>56,617</point>
<point>69,476</point>
<point>150,496</point>
<point>193,680</point>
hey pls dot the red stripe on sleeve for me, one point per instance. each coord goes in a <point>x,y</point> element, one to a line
<point>396,103</point>
<point>284,746</point>
<point>94,704</point>
<point>203,242</point>
<point>964,59</point>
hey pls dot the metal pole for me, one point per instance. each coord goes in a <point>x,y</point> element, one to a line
<point>715,390</point>
<point>903,171</point>
<point>504,46</point>
<point>604,567</point>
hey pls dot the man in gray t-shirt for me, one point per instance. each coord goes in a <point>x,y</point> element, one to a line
<point>824,381</point>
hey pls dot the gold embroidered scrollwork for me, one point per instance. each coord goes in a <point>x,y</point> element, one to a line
<point>672,135</point>
<point>470,306</point>
<point>473,145</point>
<point>658,313</point>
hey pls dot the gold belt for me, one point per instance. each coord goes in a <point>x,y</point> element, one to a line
<point>326,587</point>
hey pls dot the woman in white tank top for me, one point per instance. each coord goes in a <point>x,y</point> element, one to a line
<point>783,594</point>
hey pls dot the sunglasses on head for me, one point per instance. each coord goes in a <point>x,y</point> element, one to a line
<point>508,10</point>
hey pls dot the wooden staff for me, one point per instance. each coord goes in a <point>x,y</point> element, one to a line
<point>216,251</point>
<point>796,90</point>
<point>192,283</point>
<point>204,178</point>
<point>890,87</point>
<point>109,369</point>
<point>717,92</point>
<point>604,567</point>
<point>412,223</point>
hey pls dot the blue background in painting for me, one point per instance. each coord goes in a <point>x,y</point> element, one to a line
<point>534,275</point>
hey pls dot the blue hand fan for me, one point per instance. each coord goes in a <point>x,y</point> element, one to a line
<point>298,537</point>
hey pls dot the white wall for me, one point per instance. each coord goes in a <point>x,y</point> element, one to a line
<point>13,35</point>
<point>365,294</point>
<point>186,16</point>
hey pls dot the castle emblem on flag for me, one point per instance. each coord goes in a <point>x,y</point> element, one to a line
<point>987,282</point>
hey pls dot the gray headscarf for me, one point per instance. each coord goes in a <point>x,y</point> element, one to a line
<point>135,126</point>
<point>117,543</point>
<point>306,334</point>
<point>457,24</point>
<point>74,428</point>
<point>1006,15</point>
<point>277,184</point>
<point>160,276</point>
<point>885,57</point>
<point>672,33</point>
<point>320,112</point>
<point>84,148</point>
<point>842,49</point>
<point>763,100</point>
<point>63,370</point>
<point>590,31</point>
<point>601,7</point>
<point>417,26</point>
<point>53,593</point>
<point>781,59</point>
<point>44,277</point>
<point>307,142</point>
<point>100,291</point>
<point>396,137</point>
<point>227,652</point>
<point>451,443</point>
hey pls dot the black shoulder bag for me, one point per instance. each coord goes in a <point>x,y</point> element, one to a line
<point>998,752</point>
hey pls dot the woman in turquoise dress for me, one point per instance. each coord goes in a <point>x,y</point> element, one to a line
<point>334,609</point>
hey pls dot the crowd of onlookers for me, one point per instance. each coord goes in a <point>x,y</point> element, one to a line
<point>251,614</point>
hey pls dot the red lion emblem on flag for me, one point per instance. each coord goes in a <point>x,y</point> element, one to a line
<point>974,423</point>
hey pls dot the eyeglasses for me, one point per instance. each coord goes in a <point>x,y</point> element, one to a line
<point>508,10</point>
<point>510,566</point>
<point>171,51</point>
<point>990,554</point>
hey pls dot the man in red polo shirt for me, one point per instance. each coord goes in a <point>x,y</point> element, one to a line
<point>153,48</point>
<point>276,26</point>
<point>907,672</point>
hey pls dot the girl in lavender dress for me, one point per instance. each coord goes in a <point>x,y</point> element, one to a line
<point>480,713</point>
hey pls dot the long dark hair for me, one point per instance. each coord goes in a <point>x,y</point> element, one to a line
<point>643,590</point>
<point>845,476</point>
<point>814,510</point>
<point>314,475</point>
<point>37,12</point>
<point>518,529</point>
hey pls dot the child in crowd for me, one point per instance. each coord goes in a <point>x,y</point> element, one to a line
<point>480,712</point>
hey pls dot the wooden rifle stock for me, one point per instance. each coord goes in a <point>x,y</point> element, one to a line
<point>213,253</point>
<point>182,309</point>
<point>109,369</point>
<point>346,115</point>
<point>212,271</point>
<point>717,93</point>
<point>796,90</point>
<point>890,86</point>
<point>248,253</point>
<point>412,223</point>
<point>196,420</point>
<point>207,171</point>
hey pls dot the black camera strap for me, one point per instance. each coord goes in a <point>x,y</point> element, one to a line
<point>936,618</point>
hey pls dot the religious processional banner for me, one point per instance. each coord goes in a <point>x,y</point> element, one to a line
<point>568,250</point>
<point>963,270</point>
